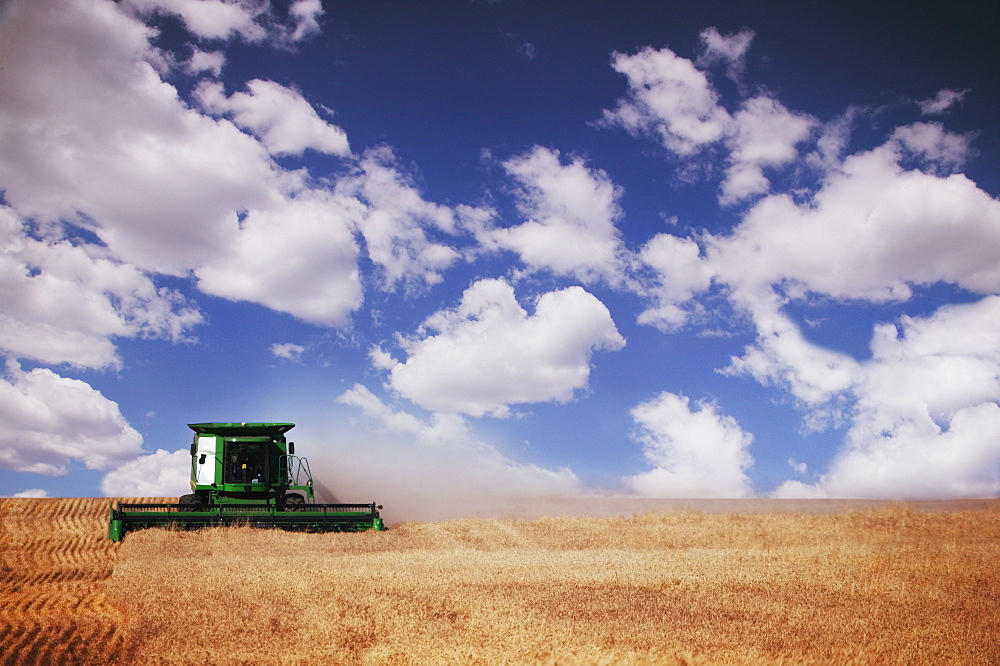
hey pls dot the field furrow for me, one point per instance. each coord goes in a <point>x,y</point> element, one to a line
<point>47,646</point>
<point>35,643</point>
<point>60,642</point>
<point>104,644</point>
<point>56,559</point>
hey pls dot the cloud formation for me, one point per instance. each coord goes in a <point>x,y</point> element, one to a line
<point>280,117</point>
<point>158,474</point>
<point>488,353</point>
<point>926,421</point>
<point>303,240</point>
<point>32,493</point>
<point>882,225</point>
<point>672,100</point>
<point>287,350</point>
<point>94,137</point>
<point>764,134</point>
<point>942,102</point>
<point>48,422</point>
<point>693,452</point>
<point>729,49</point>
<point>65,302</point>
<point>250,20</point>
<point>133,185</point>
<point>406,236</point>
<point>669,100</point>
<point>570,213</point>
<point>873,232</point>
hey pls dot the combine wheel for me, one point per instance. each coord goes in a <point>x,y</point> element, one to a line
<point>294,502</point>
<point>191,499</point>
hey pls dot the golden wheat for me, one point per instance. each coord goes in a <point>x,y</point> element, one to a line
<point>888,586</point>
<point>54,557</point>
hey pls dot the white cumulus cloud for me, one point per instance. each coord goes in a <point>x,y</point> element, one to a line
<point>489,353</point>
<point>159,474</point>
<point>873,229</point>
<point>206,61</point>
<point>922,409</point>
<point>210,19</point>
<point>694,452</point>
<point>92,135</point>
<point>305,240</point>
<point>669,100</point>
<point>944,151</point>
<point>927,422</point>
<point>729,49</point>
<point>306,14</point>
<point>879,226</point>
<point>570,213</point>
<point>872,232</point>
<point>406,236</point>
<point>284,121</point>
<point>250,20</point>
<point>66,302</point>
<point>764,134</point>
<point>48,422</point>
<point>32,493</point>
<point>680,272</point>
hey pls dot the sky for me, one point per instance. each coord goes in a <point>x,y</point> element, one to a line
<point>481,249</point>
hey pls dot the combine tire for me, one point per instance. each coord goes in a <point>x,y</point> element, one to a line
<point>192,499</point>
<point>294,502</point>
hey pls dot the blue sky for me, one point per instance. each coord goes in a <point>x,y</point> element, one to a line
<point>503,248</point>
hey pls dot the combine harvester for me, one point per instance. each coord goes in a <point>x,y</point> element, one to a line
<point>246,474</point>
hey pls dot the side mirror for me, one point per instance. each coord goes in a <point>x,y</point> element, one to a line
<point>201,460</point>
<point>291,448</point>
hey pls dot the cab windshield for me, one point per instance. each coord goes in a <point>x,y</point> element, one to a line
<point>246,462</point>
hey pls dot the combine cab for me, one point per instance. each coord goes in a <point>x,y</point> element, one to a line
<point>246,474</point>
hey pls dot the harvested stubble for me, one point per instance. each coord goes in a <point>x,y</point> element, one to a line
<point>889,586</point>
<point>55,558</point>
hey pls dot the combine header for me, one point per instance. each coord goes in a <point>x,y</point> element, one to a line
<point>246,474</point>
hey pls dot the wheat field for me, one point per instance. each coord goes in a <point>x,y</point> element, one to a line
<point>889,585</point>
<point>54,562</point>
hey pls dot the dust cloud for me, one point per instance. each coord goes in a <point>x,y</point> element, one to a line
<point>424,483</point>
<point>427,484</point>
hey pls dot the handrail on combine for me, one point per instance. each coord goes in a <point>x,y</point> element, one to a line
<point>297,466</point>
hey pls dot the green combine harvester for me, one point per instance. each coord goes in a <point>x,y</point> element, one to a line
<point>246,474</point>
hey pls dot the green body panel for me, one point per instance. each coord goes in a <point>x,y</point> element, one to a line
<point>246,473</point>
<point>246,462</point>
